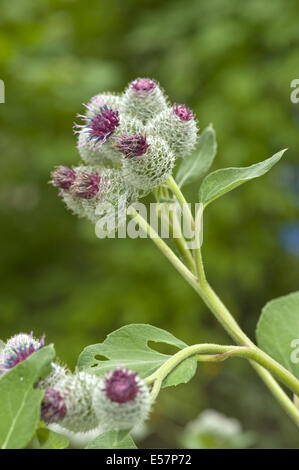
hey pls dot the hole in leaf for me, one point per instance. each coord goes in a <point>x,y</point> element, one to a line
<point>99,357</point>
<point>163,348</point>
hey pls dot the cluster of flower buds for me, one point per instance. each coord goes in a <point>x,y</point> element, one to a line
<point>128,144</point>
<point>86,189</point>
<point>81,402</point>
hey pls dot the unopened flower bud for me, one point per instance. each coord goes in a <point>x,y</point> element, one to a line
<point>76,390</point>
<point>146,172</point>
<point>143,85</point>
<point>178,127</point>
<point>121,400</point>
<point>62,177</point>
<point>143,99</point>
<point>182,112</point>
<point>53,408</point>
<point>132,145</point>
<point>86,185</point>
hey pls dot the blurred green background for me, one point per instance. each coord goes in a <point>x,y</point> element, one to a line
<point>232,62</point>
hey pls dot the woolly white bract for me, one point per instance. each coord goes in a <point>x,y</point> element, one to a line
<point>76,390</point>
<point>57,373</point>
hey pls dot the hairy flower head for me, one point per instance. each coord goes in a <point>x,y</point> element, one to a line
<point>18,348</point>
<point>182,112</point>
<point>143,85</point>
<point>62,177</point>
<point>86,185</point>
<point>76,390</point>
<point>177,126</point>
<point>53,408</point>
<point>149,170</point>
<point>143,99</point>
<point>132,145</point>
<point>121,386</point>
<point>99,125</point>
<point>121,400</point>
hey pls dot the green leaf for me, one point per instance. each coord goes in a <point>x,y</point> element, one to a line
<point>222,181</point>
<point>197,164</point>
<point>112,440</point>
<point>278,331</point>
<point>20,402</point>
<point>49,439</point>
<point>128,347</point>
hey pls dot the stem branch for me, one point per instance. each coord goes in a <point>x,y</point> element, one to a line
<point>201,286</point>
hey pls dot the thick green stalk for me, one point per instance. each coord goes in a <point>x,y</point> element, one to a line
<point>220,311</point>
<point>179,241</point>
<point>217,353</point>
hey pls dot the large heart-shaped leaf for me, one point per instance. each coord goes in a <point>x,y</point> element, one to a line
<point>112,440</point>
<point>20,402</point>
<point>222,181</point>
<point>199,162</point>
<point>278,331</point>
<point>128,347</point>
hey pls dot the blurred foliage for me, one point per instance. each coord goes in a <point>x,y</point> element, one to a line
<point>232,62</point>
<point>213,430</point>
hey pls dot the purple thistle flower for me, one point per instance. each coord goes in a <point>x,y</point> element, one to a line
<point>121,386</point>
<point>19,351</point>
<point>53,408</point>
<point>132,146</point>
<point>86,185</point>
<point>182,112</point>
<point>100,125</point>
<point>62,177</point>
<point>143,85</point>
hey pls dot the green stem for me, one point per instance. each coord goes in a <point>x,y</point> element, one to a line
<point>181,242</point>
<point>181,199</point>
<point>221,353</point>
<point>218,308</point>
<point>178,264</point>
<point>189,217</point>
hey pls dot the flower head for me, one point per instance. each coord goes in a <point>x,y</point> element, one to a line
<point>177,126</point>
<point>132,146</point>
<point>76,391</point>
<point>143,85</point>
<point>99,125</point>
<point>62,177</point>
<point>121,386</point>
<point>86,185</point>
<point>143,99</point>
<point>53,408</point>
<point>182,112</point>
<point>121,400</point>
<point>18,348</point>
<point>152,169</point>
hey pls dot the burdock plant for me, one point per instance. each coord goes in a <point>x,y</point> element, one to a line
<point>129,144</point>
